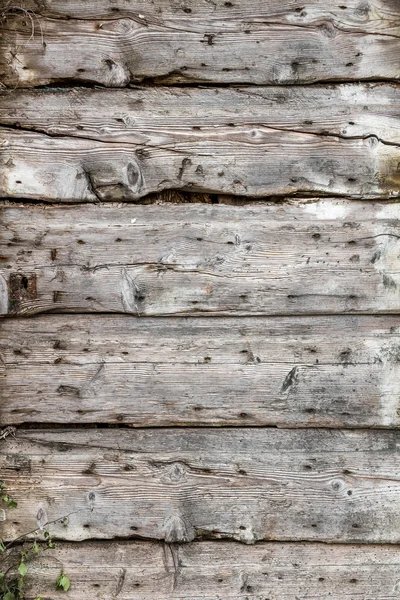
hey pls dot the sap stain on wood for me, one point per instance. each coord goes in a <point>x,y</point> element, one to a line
<point>21,290</point>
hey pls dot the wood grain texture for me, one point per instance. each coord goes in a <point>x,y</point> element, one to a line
<point>86,145</point>
<point>290,372</point>
<point>382,16</point>
<point>161,116</point>
<point>218,571</point>
<point>332,256</point>
<point>115,43</point>
<point>178,485</point>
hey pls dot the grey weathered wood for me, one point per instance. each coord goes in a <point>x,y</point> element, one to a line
<point>291,372</point>
<point>324,257</point>
<point>249,161</point>
<point>381,17</point>
<point>114,43</point>
<point>210,571</point>
<point>177,485</point>
<point>327,140</point>
<point>161,116</point>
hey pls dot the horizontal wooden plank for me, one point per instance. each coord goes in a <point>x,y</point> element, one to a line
<point>243,161</point>
<point>162,116</point>
<point>383,17</point>
<point>75,145</point>
<point>218,571</point>
<point>178,485</point>
<point>290,372</point>
<point>333,140</point>
<point>332,256</point>
<point>114,43</point>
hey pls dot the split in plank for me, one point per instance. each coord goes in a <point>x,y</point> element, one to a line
<point>75,145</point>
<point>181,484</point>
<point>325,257</point>
<point>115,43</point>
<point>290,372</point>
<point>218,571</point>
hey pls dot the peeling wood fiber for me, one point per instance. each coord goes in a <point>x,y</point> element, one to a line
<point>290,372</point>
<point>288,42</point>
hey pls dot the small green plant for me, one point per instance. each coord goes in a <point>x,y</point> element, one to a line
<point>18,554</point>
<point>5,497</point>
<point>63,582</point>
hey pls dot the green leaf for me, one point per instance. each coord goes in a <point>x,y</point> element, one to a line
<point>12,504</point>
<point>35,548</point>
<point>46,534</point>
<point>22,569</point>
<point>63,582</point>
<point>9,596</point>
<point>2,546</point>
<point>38,598</point>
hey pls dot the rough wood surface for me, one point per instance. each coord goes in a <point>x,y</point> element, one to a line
<point>114,43</point>
<point>383,16</point>
<point>177,485</point>
<point>158,116</point>
<point>219,571</point>
<point>324,257</point>
<point>84,145</point>
<point>290,372</point>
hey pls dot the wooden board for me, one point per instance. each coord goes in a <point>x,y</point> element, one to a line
<point>331,140</point>
<point>381,17</point>
<point>115,43</point>
<point>162,116</point>
<point>76,145</point>
<point>211,571</point>
<point>334,256</point>
<point>177,485</point>
<point>291,372</point>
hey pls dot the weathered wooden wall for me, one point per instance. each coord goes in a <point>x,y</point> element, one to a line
<point>199,285</point>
